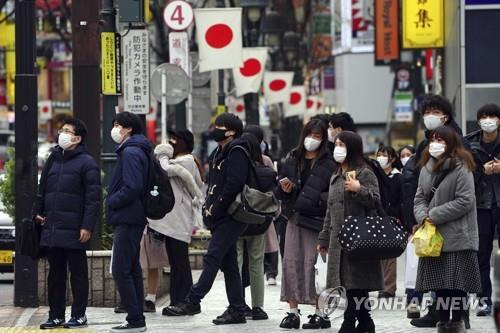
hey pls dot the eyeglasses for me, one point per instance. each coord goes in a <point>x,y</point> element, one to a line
<point>65,130</point>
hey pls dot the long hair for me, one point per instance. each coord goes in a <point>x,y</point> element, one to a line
<point>313,126</point>
<point>354,146</point>
<point>254,145</point>
<point>455,150</point>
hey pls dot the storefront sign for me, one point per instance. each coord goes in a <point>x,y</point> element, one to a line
<point>110,63</point>
<point>423,24</point>
<point>403,111</point>
<point>386,32</point>
<point>136,71</point>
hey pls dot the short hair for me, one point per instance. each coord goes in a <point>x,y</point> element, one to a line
<point>231,122</point>
<point>323,117</point>
<point>78,125</point>
<point>437,102</point>
<point>343,120</point>
<point>129,120</point>
<point>488,110</point>
<point>391,152</point>
<point>257,131</point>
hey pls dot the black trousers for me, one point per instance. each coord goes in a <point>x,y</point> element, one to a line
<point>451,302</point>
<point>181,279</point>
<point>271,264</point>
<point>222,254</point>
<point>59,260</point>
<point>487,220</point>
<point>127,271</point>
<point>358,305</point>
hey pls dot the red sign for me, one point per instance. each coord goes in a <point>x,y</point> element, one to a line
<point>387,46</point>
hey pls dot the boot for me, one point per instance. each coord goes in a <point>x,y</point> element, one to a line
<point>443,327</point>
<point>365,322</point>
<point>349,323</point>
<point>429,320</point>
<point>456,327</point>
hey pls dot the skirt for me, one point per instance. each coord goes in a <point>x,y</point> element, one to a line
<point>271,239</point>
<point>153,253</point>
<point>452,271</point>
<point>297,282</point>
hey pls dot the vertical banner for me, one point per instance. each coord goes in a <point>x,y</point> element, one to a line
<point>136,71</point>
<point>110,63</point>
<point>386,32</point>
<point>178,47</point>
<point>423,24</point>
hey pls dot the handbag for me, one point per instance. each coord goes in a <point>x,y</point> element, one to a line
<point>312,223</point>
<point>252,206</point>
<point>428,241</point>
<point>411,266</point>
<point>29,239</point>
<point>372,238</point>
<point>320,273</point>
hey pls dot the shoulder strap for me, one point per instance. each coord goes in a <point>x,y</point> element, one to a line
<point>45,172</point>
<point>253,171</point>
<point>437,181</point>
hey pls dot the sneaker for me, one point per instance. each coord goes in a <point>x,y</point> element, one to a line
<point>120,309</point>
<point>259,314</point>
<point>126,327</point>
<point>271,281</point>
<point>80,322</point>
<point>183,308</point>
<point>413,311</point>
<point>290,321</point>
<point>484,311</point>
<point>248,313</point>
<point>149,306</point>
<point>429,320</point>
<point>384,294</point>
<point>316,322</point>
<point>52,323</point>
<point>230,317</point>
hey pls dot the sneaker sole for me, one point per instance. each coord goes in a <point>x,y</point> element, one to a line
<point>220,324</point>
<point>130,330</point>
<point>76,327</point>
<point>259,318</point>
<point>415,315</point>
<point>168,313</point>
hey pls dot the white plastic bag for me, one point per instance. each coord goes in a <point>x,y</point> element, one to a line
<point>411,266</point>
<point>321,270</point>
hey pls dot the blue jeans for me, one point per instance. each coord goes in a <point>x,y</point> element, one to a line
<point>127,271</point>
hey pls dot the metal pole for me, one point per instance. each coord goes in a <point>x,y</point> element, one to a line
<point>163,107</point>
<point>221,95</point>
<point>26,133</point>
<point>109,102</point>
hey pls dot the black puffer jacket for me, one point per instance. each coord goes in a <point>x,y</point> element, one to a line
<point>487,187</point>
<point>311,199</point>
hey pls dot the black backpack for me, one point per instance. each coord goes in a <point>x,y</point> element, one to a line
<point>159,199</point>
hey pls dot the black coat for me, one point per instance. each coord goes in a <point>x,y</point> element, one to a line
<point>312,197</point>
<point>129,182</point>
<point>487,187</point>
<point>394,199</point>
<point>229,172</point>
<point>71,200</point>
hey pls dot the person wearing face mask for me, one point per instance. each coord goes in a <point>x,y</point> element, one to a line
<point>387,159</point>
<point>357,184</point>
<point>339,122</point>
<point>485,145</point>
<point>68,206</point>
<point>405,154</point>
<point>452,210</point>
<point>125,212</point>
<point>303,191</point>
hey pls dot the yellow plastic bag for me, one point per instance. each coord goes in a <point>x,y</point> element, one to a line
<point>428,241</point>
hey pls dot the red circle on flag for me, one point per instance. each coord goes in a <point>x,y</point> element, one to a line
<point>295,98</point>
<point>310,103</point>
<point>240,108</point>
<point>45,109</point>
<point>251,67</point>
<point>219,36</point>
<point>319,105</point>
<point>277,85</point>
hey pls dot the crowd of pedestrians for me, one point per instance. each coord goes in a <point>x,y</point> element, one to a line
<point>448,181</point>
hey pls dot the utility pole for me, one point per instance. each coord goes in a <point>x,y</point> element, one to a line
<point>221,95</point>
<point>109,102</point>
<point>86,104</point>
<point>26,133</point>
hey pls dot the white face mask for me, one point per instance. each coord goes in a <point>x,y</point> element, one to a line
<point>64,141</point>
<point>311,144</point>
<point>405,160</point>
<point>437,149</point>
<point>331,135</point>
<point>432,122</point>
<point>116,135</point>
<point>383,161</point>
<point>339,154</point>
<point>489,125</point>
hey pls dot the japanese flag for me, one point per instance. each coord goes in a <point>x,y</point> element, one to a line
<point>248,78</point>
<point>236,106</point>
<point>277,86</point>
<point>220,44</point>
<point>320,105</point>
<point>311,105</point>
<point>296,105</point>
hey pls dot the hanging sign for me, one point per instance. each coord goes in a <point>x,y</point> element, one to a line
<point>178,15</point>
<point>178,49</point>
<point>110,63</point>
<point>423,24</point>
<point>386,32</point>
<point>136,71</point>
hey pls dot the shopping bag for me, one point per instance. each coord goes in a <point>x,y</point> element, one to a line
<point>428,241</point>
<point>321,270</point>
<point>411,267</point>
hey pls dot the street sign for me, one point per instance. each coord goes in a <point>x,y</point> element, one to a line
<point>136,71</point>
<point>178,47</point>
<point>178,15</point>
<point>110,63</point>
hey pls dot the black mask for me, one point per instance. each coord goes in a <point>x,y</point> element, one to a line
<point>219,134</point>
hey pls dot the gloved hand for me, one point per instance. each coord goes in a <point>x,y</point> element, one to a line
<point>164,150</point>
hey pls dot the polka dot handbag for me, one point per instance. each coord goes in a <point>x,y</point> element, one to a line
<point>372,238</point>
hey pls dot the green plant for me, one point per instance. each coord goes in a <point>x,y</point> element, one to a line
<point>107,230</point>
<point>7,188</point>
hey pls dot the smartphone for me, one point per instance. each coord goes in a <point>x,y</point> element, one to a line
<point>351,175</point>
<point>284,180</point>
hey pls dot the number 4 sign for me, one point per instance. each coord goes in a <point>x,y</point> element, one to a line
<point>178,15</point>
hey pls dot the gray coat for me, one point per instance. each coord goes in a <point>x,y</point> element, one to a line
<point>342,271</point>
<point>453,207</point>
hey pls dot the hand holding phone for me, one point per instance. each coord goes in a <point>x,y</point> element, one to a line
<point>286,185</point>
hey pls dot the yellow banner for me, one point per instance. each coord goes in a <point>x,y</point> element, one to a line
<point>423,24</point>
<point>108,63</point>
